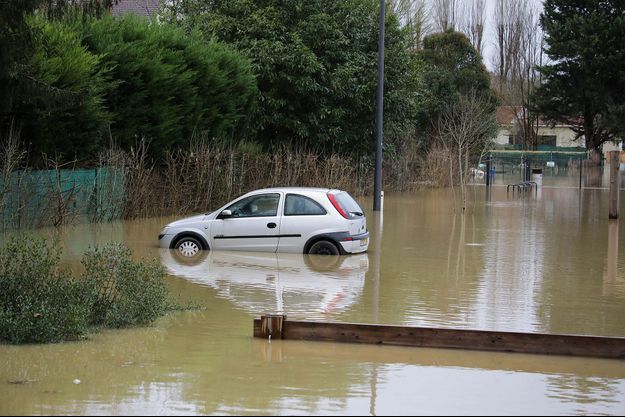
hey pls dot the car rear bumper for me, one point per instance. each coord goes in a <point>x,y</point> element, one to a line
<point>357,244</point>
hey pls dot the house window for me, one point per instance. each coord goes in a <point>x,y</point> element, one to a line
<point>547,140</point>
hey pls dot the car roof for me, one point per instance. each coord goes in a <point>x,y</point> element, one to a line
<point>294,190</point>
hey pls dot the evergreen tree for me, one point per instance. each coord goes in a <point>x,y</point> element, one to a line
<point>316,67</point>
<point>452,69</point>
<point>585,84</point>
<point>167,86</point>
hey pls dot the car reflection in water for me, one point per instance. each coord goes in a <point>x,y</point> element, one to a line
<point>301,286</point>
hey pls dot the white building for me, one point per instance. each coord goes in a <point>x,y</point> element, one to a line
<point>559,135</point>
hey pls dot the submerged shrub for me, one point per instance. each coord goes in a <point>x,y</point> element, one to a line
<point>38,302</point>
<point>42,303</point>
<point>124,292</point>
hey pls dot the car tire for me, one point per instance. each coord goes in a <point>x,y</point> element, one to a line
<point>323,247</point>
<point>182,260</point>
<point>188,246</point>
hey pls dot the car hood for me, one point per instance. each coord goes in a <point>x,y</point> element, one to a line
<point>188,220</point>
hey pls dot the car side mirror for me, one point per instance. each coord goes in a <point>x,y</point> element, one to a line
<point>226,214</point>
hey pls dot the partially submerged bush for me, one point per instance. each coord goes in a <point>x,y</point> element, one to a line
<point>41,303</point>
<point>38,302</point>
<point>124,293</point>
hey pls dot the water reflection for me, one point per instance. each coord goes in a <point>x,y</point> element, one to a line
<point>513,270</point>
<point>614,283</point>
<point>301,286</point>
<point>437,382</point>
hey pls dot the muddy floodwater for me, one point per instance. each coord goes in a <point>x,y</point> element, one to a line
<point>549,262</point>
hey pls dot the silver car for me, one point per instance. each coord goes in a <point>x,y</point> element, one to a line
<point>289,220</point>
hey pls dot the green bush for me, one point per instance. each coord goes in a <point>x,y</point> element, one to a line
<point>63,112</point>
<point>169,85</point>
<point>38,301</point>
<point>124,293</point>
<point>42,303</point>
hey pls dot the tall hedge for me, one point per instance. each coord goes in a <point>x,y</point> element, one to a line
<point>90,80</point>
<point>166,85</point>
<point>63,114</point>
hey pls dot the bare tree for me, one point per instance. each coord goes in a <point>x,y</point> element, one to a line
<point>415,15</point>
<point>527,77</point>
<point>445,14</point>
<point>12,157</point>
<point>473,23</point>
<point>509,21</point>
<point>466,128</point>
<point>519,47</point>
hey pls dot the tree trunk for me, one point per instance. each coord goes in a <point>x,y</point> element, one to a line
<point>593,141</point>
<point>451,178</point>
<point>462,191</point>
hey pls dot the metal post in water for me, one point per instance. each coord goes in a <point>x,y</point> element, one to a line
<point>615,184</point>
<point>581,168</point>
<point>377,182</point>
<point>488,165</point>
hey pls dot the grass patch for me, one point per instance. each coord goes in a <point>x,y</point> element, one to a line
<point>43,303</point>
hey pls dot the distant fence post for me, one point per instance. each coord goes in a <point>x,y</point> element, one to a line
<point>581,168</point>
<point>615,185</point>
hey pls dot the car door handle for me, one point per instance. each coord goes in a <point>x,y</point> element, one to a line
<point>271,225</point>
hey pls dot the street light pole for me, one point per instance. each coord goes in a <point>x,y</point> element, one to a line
<point>377,184</point>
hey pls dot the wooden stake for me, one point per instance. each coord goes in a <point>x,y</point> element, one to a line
<point>270,326</point>
<point>615,185</point>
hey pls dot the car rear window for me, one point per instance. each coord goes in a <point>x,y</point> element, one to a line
<point>299,205</point>
<point>348,204</point>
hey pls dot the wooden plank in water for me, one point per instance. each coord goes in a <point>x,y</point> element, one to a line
<point>538,343</point>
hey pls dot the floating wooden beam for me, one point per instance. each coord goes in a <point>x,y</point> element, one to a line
<point>538,343</point>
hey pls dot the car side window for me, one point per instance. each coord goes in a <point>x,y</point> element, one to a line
<point>263,205</point>
<point>299,205</point>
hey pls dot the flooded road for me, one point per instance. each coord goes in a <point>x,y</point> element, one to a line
<point>549,262</point>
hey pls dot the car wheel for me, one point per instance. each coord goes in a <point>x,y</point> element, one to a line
<point>323,247</point>
<point>182,260</point>
<point>188,246</point>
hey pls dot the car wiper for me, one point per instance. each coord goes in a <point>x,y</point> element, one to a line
<point>357,213</point>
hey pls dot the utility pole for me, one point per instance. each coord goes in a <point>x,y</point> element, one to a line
<point>377,184</point>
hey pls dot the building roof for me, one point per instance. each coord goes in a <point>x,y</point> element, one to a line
<point>507,115</point>
<point>146,8</point>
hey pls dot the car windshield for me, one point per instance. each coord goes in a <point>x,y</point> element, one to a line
<point>348,204</point>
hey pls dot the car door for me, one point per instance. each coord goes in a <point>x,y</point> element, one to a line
<point>254,224</point>
<point>303,217</point>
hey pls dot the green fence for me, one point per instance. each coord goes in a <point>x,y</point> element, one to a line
<point>563,167</point>
<point>53,197</point>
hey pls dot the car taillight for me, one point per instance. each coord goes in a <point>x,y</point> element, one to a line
<point>337,206</point>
